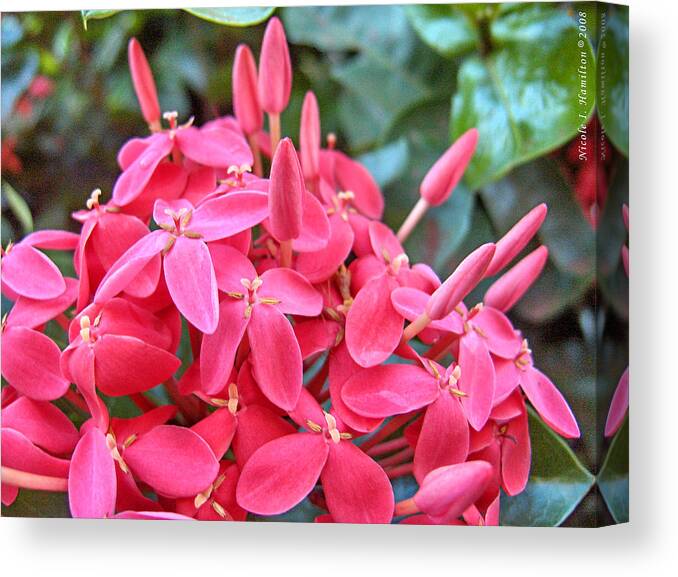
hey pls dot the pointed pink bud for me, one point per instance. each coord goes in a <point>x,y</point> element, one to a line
<point>446,173</point>
<point>447,492</point>
<point>275,69</point>
<point>516,239</point>
<point>245,99</point>
<point>286,192</point>
<point>461,282</point>
<point>508,289</point>
<point>144,85</point>
<point>309,137</point>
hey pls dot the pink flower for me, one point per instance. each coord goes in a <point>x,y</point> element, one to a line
<point>245,99</point>
<point>144,85</point>
<point>257,304</point>
<point>281,473</point>
<point>186,260</point>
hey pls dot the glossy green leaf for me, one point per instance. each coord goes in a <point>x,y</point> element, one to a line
<point>558,482</point>
<point>38,504</point>
<point>445,28</point>
<point>613,60</point>
<point>613,478</point>
<point>388,162</point>
<point>379,90</point>
<point>566,233</point>
<point>233,16</point>
<point>522,96</point>
<point>88,15</point>
<point>378,29</point>
<point>18,206</point>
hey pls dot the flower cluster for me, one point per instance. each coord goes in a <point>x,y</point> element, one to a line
<point>318,361</point>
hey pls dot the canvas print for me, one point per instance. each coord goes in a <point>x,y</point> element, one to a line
<point>350,264</point>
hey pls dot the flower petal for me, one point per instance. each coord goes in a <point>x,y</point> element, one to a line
<point>117,354</point>
<point>444,436</point>
<point>19,453</point>
<point>281,473</point>
<point>342,367</point>
<point>275,355</point>
<point>229,214</point>
<point>257,426</point>
<point>318,266</point>
<point>29,273</point>
<point>357,490</point>
<point>502,339</point>
<point>32,313</point>
<point>550,403</point>
<point>173,460</point>
<point>477,379</point>
<point>217,429</point>
<point>142,259</point>
<point>296,295</point>
<point>214,146</point>
<point>42,423</point>
<point>30,363</point>
<point>388,390</point>
<point>315,226</point>
<point>373,326</point>
<point>191,282</point>
<point>447,492</point>
<point>618,406</point>
<point>91,479</point>
<point>217,351</point>
<point>516,454</point>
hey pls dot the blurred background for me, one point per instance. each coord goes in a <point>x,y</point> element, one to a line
<point>396,84</point>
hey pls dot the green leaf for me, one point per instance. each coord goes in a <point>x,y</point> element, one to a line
<point>445,28</point>
<point>388,162</point>
<point>613,60</point>
<point>558,482</point>
<point>566,233</point>
<point>378,91</point>
<point>38,504</point>
<point>19,207</point>
<point>613,478</point>
<point>233,16</point>
<point>522,96</point>
<point>88,15</point>
<point>377,29</point>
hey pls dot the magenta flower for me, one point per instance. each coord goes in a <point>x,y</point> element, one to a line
<point>144,85</point>
<point>542,393</point>
<point>258,305</point>
<point>174,461</point>
<point>28,272</point>
<point>281,473</point>
<point>187,263</point>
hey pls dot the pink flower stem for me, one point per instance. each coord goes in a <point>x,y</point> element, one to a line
<point>315,385</point>
<point>323,396</point>
<point>416,326</point>
<point>412,219</point>
<point>76,400</point>
<point>63,321</point>
<point>190,407</point>
<point>25,480</point>
<point>256,152</point>
<point>388,447</point>
<point>400,470</point>
<point>274,126</point>
<point>286,254</point>
<point>398,458</point>
<point>142,402</point>
<point>441,347</point>
<point>387,430</point>
<point>406,507</point>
